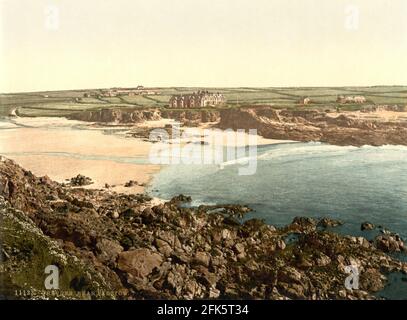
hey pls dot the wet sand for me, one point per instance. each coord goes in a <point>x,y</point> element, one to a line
<point>62,152</point>
<point>101,171</point>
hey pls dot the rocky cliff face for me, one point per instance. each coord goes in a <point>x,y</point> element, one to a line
<point>128,116</point>
<point>299,125</point>
<point>309,125</point>
<point>117,115</point>
<point>133,249</point>
<point>192,116</point>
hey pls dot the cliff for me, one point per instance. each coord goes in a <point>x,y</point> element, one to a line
<point>194,117</point>
<point>117,115</point>
<point>310,125</point>
<point>128,116</point>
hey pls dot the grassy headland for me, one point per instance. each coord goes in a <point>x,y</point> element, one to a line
<point>62,103</point>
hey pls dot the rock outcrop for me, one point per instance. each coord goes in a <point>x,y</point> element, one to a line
<point>367,226</point>
<point>80,180</point>
<point>285,124</point>
<point>312,125</point>
<point>192,117</point>
<point>132,249</point>
<point>139,263</point>
<point>390,243</point>
<point>138,115</point>
<point>117,115</point>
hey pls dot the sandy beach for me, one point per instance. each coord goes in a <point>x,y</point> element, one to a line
<point>53,147</point>
<point>100,171</point>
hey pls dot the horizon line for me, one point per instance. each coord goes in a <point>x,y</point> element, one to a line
<point>210,87</point>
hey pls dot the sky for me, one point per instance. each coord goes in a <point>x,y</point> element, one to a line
<point>73,44</point>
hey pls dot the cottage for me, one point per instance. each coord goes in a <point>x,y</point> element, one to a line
<point>359,99</point>
<point>349,99</point>
<point>90,94</point>
<point>305,101</point>
<point>115,92</point>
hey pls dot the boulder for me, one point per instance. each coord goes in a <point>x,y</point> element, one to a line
<point>323,260</point>
<point>46,180</point>
<point>108,250</point>
<point>280,245</point>
<point>372,280</point>
<point>389,243</point>
<point>214,293</point>
<point>329,223</point>
<point>202,258</point>
<point>180,258</point>
<point>293,290</point>
<point>305,263</point>
<point>180,199</point>
<point>239,248</point>
<point>131,183</point>
<point>175,279</point>
<point>192,289</point>
<point>139,263</point>
<point>80,180</point>
<point>364,243</point>
<point>163,247</point>
<point>208,279</point>
<point>226,234</point>
<point>129,213</point>
<point>290,275</point>
<point>148,215</point>
<point>303,224</point>
<point>367,226</point>
<point>114,215</point>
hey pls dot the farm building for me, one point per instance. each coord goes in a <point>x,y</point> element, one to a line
<point>351,99</point>
<point>305,101</point>
<point>115,92</point>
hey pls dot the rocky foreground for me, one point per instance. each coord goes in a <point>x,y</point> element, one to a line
<point>116,246</point>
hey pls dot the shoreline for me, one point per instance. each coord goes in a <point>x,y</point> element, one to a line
<point>61,149</point>
<point>379,125</point>
<point>88,141</point>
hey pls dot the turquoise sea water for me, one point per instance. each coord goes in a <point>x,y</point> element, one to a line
<point>304,179</point>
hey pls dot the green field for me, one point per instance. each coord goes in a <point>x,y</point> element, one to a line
<point>62,103</point>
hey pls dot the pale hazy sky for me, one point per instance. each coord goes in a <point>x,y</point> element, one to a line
<point>68,44</point>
